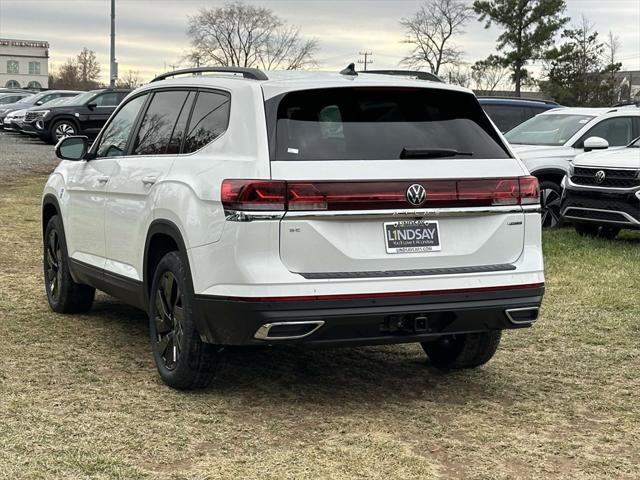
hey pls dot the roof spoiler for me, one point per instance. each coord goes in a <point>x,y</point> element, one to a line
<point>249,73</point>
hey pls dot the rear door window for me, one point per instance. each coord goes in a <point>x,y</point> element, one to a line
<point>156,129</point>
<point>209,120</point>
<point>379,123</point>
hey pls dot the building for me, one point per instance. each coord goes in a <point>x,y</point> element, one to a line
<point>24,63</point>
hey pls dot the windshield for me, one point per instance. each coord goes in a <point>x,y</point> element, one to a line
<point>82,98</point>
<point>26,99</point>
<point>57,101</point>
<point>552,130</point>
<point>380,123</point>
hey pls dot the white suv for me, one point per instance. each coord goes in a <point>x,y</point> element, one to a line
<point>238,208</point>
<point>547,143</point>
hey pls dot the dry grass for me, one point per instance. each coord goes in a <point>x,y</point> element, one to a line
<point>79,396</point>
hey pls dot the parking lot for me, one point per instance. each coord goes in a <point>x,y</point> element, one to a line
<point>81,398</point>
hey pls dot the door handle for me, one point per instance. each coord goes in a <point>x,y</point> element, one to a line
<point>149,180</point>
<point>103,179</point>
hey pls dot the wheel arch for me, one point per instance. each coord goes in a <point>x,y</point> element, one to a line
<point>50,208</point>
<point>554,175</point>
<point>163,236</point>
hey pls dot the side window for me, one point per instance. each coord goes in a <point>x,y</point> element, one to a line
<point>106,100</point>
<point>158,123</point>
<point>617,131</point>
<point>209,120</point>
<point>113,142</point>
<point>505,117</point>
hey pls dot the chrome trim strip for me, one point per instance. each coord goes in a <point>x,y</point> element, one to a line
<point>248,216</point>
<point>576,186</point>
<point>521,322</point>
<point>263,332</point>
<point>409,273</point>
<point>631,220</point>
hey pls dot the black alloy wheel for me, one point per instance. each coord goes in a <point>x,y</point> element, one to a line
<point>53,265</point>
<point>550,199</point>
<point>169,318</point>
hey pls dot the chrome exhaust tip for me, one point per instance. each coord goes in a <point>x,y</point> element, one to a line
<point>287,330</point>
<point>522,316</point>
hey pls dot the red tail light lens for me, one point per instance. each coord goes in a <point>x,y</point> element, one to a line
<point>529,190</point>
<point>305,196</point>
<point>254,195</point>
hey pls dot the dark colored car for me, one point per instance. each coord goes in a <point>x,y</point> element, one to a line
<point>34,101</point>
<point>82,115</point>
<point>509,112</point>
<point>7,98</point>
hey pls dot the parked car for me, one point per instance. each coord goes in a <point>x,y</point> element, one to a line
<point>33,101</point>
<point>28,124</point>
<point>84,115</point>
<point>549,141</point>
<point>13,119</point>
<point>508,112</point>
<point>201,200</point>
<point>7,98</point>
<point>602,189</point>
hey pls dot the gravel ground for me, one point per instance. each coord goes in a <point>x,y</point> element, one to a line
<point>21,154</point>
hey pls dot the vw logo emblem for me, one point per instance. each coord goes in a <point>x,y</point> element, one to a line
<point>416,194</point>
<point>600,176</point>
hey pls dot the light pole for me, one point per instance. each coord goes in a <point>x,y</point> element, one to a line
<point>113,70</point>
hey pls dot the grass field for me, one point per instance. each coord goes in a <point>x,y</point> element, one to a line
<point>80,398</point>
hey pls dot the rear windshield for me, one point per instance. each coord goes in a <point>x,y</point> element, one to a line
<point>360,123</point>
<point>552,130</point>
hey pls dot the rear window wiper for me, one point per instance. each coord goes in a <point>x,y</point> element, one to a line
<point>432,153</point>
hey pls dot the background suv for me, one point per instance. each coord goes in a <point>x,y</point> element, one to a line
<point>602,191</point>
<point>238,208</point>
<point>85,114</point>
<point>508,112</point>
<point>34,101</point>
<point>549,141</point>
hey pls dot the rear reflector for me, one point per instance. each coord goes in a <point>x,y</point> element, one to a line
<point>379,195</point>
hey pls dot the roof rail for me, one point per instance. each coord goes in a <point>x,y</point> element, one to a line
<point>407,73</point>
<point>629,103</point>
<point>528,99</point>
<point>250,73</point>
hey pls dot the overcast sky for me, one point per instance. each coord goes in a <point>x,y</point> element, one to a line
<point>151,33</point>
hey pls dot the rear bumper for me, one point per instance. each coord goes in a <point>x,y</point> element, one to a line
<point>365,321</point>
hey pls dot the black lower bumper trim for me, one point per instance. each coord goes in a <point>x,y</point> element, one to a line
<point>364,321</point>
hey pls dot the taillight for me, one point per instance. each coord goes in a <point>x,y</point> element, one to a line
<point>253,195</point>
<point>280,195</point>
<point>529,190</point>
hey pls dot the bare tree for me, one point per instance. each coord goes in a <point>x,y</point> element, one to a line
<point>460,76</point>
<point>88,68</point>
<point>130,80</point>
<point>431,30</point>
<point>488,74</point>
<point>247,36</point>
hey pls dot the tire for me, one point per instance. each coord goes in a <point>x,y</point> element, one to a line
<point>64,295</point>
<point>607,232</point>
<point>550,196</point>
<point>183,360</point>
<point>469,350</point>
<point>61,129</point>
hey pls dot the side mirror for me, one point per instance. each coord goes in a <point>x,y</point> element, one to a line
<point>92,105</point>
<point>72,148</point>
<point>595,143</point>
<point>39,102</point>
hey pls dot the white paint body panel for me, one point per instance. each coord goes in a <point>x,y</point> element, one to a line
<point>107,224</point>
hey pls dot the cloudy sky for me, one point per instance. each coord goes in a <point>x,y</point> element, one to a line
<point>151,33</point>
